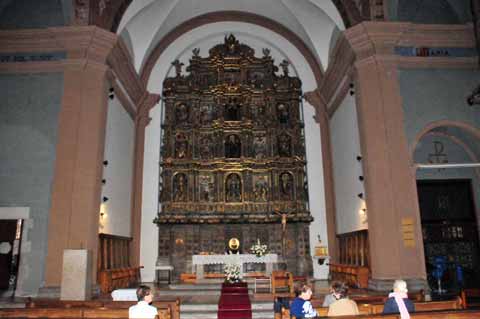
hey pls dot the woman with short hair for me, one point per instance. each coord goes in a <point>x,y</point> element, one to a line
<point>342,306</point>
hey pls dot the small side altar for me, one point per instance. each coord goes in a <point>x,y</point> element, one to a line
<point>198,262</point>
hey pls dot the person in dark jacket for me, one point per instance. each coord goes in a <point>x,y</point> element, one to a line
<point>301,306</point>
<point>398,301</point>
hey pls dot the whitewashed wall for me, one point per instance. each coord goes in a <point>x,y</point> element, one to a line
<point>346,169</point>
<point>204,38</point>
<point>119,144</point>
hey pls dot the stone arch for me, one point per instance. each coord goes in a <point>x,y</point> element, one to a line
<point>473,131</point>
<point>233,16</point>
<point>169,51</point>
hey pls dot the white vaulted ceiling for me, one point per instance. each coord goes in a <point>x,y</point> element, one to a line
<point>146,22</point>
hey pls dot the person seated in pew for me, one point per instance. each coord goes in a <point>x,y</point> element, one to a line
<point>301,306</point>
<point>342,306</point>
<point>143,309</point>
<point>330,298</point>
<point>398,301</point>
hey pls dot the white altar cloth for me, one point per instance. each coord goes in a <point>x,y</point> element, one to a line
<point>198,261</point>
<point>124,295</point>
<point>233,259</point>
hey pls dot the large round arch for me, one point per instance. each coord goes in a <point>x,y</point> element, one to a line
<point>204,36</point>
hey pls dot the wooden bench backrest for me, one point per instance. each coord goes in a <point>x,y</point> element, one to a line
<point>425,306</point>
<point>163,313</point>
<point>438,305</point>
<point>374,309</point>
<point>458,314</point>
<point>54,303</point>
<point>41,313</point>
<point>105,313</point>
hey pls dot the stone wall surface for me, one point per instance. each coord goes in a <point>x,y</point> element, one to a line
<point>28,135</point>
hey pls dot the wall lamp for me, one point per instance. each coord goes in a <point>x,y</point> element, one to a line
<point>359,158</point>
<point>352,89</point>
<point>360,195</point>
<point>104,199</point>
<point>105,163</point>
<point>111,96</point>
<point>104,181</point>
<point>361,178</point>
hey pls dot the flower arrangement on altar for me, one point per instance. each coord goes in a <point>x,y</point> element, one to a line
<point>232,273</point>
<point>258,249</point>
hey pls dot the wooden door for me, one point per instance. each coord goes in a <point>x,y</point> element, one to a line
<point>7,237</point>
<point>450,229</point>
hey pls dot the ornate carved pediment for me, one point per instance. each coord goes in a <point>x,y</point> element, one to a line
<point>231,48</point>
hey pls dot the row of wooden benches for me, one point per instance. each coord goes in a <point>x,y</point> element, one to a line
<point>82,313</point>
<point>167,309</point>
<point>111,279</point>
<point>377,308</point>
<point>354,276</point>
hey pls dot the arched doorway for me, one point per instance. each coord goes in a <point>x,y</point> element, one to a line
<point>446,156</point>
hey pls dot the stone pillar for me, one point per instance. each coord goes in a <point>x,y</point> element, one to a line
<point>76,188</point>
<point>395,238</point>
<point>141,121</point>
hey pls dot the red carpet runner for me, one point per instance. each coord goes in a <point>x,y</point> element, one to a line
<point>234,302</point>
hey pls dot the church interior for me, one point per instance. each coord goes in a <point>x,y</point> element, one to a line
<point>186,144</point>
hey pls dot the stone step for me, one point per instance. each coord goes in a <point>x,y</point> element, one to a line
<point>260,310</point>
<point>213,315</point>
<point>260,306</point>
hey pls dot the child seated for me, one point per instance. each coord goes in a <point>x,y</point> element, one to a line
<point>301,306</point>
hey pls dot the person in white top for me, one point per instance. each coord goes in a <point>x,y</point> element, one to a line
<point>143,310</point>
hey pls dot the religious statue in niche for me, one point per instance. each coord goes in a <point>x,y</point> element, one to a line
<point>261,188</point>
<point>232,110</point>
<point>206,114</point>
<point>258,112</point>
<point>284,145</point>
<point>180,188</point>
<point>232,77</point>
<point>283,114</point>
<point>205,147</point>
<point>181,113</point>
<point>286,186</point>
<point>206,188</point>
<point>181,145</point>
<point>233,146</point>
<point>260,146</point>
<point>233,188</point>
<point>256,79</point>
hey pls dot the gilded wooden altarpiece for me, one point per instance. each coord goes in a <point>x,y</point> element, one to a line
<point>233,158</point>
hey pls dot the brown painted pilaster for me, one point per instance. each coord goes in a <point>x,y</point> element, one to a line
<point>321,117</point>
<point>141,121</point>
<point>395,238</point>
<point>78,169</point>
<point>76,189</point>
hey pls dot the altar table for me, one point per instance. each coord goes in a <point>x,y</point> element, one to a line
<point>198,261</point>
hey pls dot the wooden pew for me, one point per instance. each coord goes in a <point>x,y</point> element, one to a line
<point>41,313</point>
<point>469,293</point>
<point>376,309</point>
<point>167,309</point>
<point>172,307</point>
<point>354,276</point>
<point>448,314</point>
<point>55,303</point>
<point>111,279</point>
